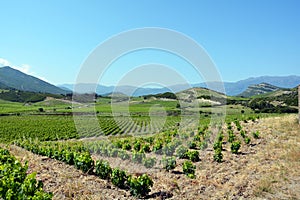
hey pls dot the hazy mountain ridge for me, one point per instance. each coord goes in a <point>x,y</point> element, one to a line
<point>231,88</point>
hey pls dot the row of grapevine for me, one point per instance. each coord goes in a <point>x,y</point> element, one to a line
<point>78,156</point>
<point>15,183</point>
<point>235,133</point>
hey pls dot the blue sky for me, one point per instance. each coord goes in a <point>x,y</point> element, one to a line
<point>51,39</point>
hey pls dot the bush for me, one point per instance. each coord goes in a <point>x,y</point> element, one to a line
<point>192,145</point>
<point>123,155</point>
<point>193,156</point>
<point>149,162</point>
<point>243,133</point>
<point>235,146</point>
<point>169,149</point>
<point>126,146</point>
<point>218,156</point>
<point>169,163</point>
<point>157,147</point>
<point>231,136</point>
<point>203,145</point>
<point>181,152</point>
<point>119,178</point>
<point>218,145</point>
<point>247,140</point>
<point>255,134</point>
<point>103,169</point>
<point>137,146</point>
<point>113,152</point>
<point>140,186</point>
<point>84,162</point>
<point>145,148</point>
<point>189,169</point>
<point>138,157</point>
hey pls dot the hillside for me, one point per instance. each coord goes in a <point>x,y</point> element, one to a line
<point>236,88</point>
<point>15,79</point>
<point>257,89</point>
<point>3,86</point>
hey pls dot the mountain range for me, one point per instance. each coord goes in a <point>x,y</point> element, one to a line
<point>12,78</point>
<point>231,88</point>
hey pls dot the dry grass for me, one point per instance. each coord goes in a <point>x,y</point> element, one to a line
<point>266,169</point>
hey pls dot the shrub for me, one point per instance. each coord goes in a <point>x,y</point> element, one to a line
<point>113,152</point>
<point>84,162</point>
<point>181,152</point>
<point>243,133</point>
<point>157,147</point>
<point>231,136</point>
<point>145,148</point>
<point>218,156</point>
<point>218,145</point>
<point>235,146</point>
<point>126,146</point>
<point>140,186</point>
<point>119,178</point>
<point>197,138</point>
<point>247,140</point>
<point>192,145</point>
<point>193,156</point>
<point>138,157</point>
<point>103,169</point>
<point>189,169</point>
<point>149,162</point>
<point>220,137</point>
<point>123,155</point>
<point>203,145</point>
<point>169,163</point>
<point>255,134</point>
<point>169,149</point>
<point>137,146</point>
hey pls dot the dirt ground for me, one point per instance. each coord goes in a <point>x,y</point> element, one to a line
<point>268,168</point>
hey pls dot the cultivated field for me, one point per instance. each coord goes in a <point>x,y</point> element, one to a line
<point>135,154</point>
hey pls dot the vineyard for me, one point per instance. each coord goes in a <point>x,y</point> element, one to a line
<point>159,151</point>
<point>141,155</point>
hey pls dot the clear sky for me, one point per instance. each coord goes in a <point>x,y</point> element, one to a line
<point>50,39</point>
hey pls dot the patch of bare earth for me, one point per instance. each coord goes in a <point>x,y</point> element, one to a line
<point>268,168</point>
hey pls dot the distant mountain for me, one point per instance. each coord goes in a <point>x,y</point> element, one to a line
<point>231,88</point>
<point>258,89</point>
<point>15,79</point>
<point>236,88</point>
<point>104,90</point>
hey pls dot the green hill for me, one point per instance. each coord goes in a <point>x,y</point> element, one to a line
<point>12,78</point>
<point>24,96</point>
